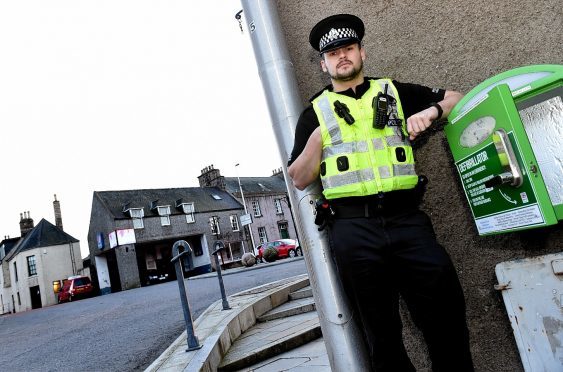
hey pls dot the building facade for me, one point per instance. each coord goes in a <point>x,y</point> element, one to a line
<point>266,201</point>
<point>36,265</point>
<point>132,232</point>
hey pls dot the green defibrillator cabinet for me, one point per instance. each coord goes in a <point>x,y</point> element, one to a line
<point>506,137</point>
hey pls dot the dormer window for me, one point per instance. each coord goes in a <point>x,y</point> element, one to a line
<point>188,209</point>
<point>164,213</point>
<point>137,215</point>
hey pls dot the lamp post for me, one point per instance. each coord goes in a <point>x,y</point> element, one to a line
<point>245,209</point>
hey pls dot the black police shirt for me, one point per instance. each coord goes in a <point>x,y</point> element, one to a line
<point>414,98</point>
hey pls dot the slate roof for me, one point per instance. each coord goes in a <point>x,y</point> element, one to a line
<point>9,244</point>
<point>256,185</point>
<point>43,235</point>
<point>202,197</point>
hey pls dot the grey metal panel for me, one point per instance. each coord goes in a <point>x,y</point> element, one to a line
<point>543,123</point>
<point>532,290</point>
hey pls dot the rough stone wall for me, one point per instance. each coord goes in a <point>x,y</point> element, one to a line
<point>454,45</point>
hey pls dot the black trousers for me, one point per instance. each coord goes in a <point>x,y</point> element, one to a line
<point>384,256</point>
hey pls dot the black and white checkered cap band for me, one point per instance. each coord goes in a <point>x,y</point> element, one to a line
<point>337,34</point>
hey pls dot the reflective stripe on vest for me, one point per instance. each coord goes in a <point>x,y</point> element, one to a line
<point>371,163</point>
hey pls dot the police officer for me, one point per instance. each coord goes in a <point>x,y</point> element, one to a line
<point>356,137</point>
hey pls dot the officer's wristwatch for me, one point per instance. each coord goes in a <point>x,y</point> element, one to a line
<point>439,108</point>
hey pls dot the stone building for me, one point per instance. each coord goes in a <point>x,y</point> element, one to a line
<point>132,232</point>
<point>35,264</point>
<point>266,201</point>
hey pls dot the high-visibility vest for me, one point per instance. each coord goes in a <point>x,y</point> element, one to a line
<point>358,159</point>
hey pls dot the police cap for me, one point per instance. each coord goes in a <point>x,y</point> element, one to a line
<point>336,31</point>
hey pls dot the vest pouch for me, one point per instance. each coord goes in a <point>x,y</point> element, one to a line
<point>323,168</point>
<point>400,154</point>
<point>342,163</point>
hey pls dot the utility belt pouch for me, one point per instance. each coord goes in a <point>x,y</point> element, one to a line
<point>323,213</point>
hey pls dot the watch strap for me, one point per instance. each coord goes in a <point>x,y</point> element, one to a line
<point>439,108</point>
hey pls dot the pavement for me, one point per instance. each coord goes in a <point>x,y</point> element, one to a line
<point>273,327</point>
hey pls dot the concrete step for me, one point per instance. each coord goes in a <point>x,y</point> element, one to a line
<point>293,307</point>
<point>302,293</point>
<point>268,339</point>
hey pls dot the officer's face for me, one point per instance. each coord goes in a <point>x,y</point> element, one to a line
<point>344,64</point>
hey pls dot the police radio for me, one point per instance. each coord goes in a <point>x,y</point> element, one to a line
<point>380,105</point>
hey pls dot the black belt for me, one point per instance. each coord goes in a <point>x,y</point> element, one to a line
<point>377,205</point>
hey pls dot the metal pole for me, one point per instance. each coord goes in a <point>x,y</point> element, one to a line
<point>342,337</point>
<point>245,210</point>
<point>193,343</point>
<point>219,246</point>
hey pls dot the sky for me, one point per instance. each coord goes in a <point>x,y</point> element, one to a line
<point>119,95</point>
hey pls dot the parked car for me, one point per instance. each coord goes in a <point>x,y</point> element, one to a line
<point>156,277</point>
<point>75,287</point>
<point>285,247</point>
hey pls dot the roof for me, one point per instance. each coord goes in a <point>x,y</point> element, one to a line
<point>256,185</point>
<point>45,234</point>
<point>202,197</point>
<point>8,244</point>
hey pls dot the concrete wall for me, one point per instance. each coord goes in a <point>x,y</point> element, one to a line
<point>454,45</point>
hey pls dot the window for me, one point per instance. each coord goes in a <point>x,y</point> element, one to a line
<point>16,271</point>
<point>216,197</point>
<point>19,300</point>
<point>234,222</point>
<point>262,234</point>
<point>256,208</point>
<point>188,209</point>
<point>164,213</point>
<point>137,215</point>
<point>214,225</point>
<point>31,266</point>
<point>277,204</point>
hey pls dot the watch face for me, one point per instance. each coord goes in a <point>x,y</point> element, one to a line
<point>477,131</point>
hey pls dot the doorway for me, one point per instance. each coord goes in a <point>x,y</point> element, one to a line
<point>35,294</point>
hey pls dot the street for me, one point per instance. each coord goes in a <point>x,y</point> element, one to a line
<point>121,331</point>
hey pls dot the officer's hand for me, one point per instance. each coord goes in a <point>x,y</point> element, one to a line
<point>420,121</point>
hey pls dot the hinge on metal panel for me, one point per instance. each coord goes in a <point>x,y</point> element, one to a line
<point>503,286</point>
<point>557,266</point>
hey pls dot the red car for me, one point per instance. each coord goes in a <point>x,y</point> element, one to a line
<point>75,287</point>
<point>285,248</point>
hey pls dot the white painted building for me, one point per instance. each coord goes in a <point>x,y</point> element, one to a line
<point>44,256</point>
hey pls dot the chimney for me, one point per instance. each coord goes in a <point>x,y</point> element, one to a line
<point>58,216</point>
<point>211,177</point>
<point>26,223</point>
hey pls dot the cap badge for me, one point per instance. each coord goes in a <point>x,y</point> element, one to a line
<point>332,34</point>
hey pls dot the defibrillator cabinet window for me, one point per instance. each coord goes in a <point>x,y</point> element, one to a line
<point>234,222</point>
<point>262,234</point>
<point>164,213</point>
<point>137,215</point>
<point>188,209</point>
<point>256,209</point>
<point>31,266</point>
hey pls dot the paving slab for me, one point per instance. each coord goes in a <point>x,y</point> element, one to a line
<point>309,357</point>
<point>270,338</point>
